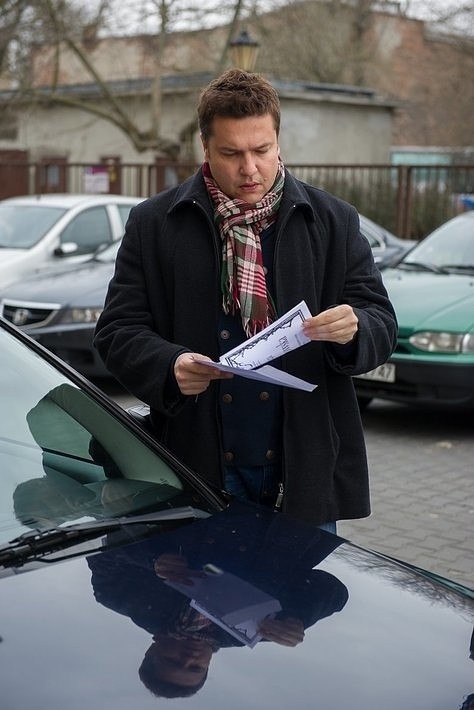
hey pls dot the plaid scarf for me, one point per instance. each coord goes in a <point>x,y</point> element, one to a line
<point>190,624</point>
<point>242,277</point>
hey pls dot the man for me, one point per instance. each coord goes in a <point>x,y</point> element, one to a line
<point>216,259</point>
<point>156,582</point>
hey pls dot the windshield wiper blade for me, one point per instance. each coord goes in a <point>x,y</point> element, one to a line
<point>458,267</point>
<point>425,266</point>
<point>34,543</point>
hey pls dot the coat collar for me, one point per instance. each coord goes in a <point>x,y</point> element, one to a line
<point>194,190</point>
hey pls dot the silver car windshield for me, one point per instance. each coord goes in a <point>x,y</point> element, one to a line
<point>22,226</point>
<point>64,458</point>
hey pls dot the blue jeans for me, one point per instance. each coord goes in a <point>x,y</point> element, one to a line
<point>256,483</point>
<point>259,484</point>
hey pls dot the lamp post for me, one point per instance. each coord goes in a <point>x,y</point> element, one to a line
<point>244,51</point>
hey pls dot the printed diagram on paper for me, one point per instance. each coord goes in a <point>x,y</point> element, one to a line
<point>249,359</point>
<point>279,338</point>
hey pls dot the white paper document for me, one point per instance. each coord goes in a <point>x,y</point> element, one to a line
<point>230,602</point>
<point>250,357</point>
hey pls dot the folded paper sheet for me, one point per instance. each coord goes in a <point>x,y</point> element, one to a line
<point>250,357</point>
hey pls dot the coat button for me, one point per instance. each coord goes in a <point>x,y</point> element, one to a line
<point>227,398</point>
<point>225,334</point>
<point>229,456</point>
<point>270,455</point>
<point>264,396</point>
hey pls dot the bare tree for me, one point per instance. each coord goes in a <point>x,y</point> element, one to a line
<point>326,41</point>
<point>68,32</point>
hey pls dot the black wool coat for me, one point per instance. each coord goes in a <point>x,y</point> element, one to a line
<point>165,298</point>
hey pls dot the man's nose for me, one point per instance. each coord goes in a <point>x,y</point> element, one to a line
<point>247,164</point>
<point>190,653</point>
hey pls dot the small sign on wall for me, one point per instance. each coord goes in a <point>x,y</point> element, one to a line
<point>96,179</point>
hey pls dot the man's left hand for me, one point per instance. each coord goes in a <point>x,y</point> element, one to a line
<point>286,632</point>
<point>338,324</point>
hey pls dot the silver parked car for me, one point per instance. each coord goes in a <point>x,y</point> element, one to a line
<point>38,231</point>
<point>61,309</point>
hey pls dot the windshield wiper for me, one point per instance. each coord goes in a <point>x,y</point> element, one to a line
<point>35,543</point>
<point>459,267</point>
<point>424,266</point>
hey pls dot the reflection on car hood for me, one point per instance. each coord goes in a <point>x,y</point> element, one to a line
<point>425,300</point>
<point>82,284</point>
<point>376,634</point>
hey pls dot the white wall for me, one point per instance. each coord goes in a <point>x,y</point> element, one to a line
<point>314,130</point>
<point>334,133</point>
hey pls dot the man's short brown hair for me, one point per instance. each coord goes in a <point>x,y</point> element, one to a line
<point>237,94</point>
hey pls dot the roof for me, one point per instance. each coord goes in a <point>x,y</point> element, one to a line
<point>68,201</point>
<point>195,81</point>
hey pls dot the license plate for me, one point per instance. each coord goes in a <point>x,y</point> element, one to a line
<point>382,373</point>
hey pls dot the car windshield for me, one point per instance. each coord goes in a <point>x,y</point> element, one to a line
<point>64,458</point>
<point>22,226</point>
<point>451,246</point>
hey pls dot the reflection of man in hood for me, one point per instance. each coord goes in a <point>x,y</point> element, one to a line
<point>265,550</point>
<point>468,703</point>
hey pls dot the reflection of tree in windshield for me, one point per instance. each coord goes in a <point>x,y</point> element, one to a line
<point>234,579</point>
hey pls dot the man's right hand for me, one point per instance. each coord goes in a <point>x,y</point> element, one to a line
<point>193,378</point>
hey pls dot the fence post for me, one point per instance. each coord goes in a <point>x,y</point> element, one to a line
<point>399,220</point>
<point>408,202</point>
<point>403,219</point>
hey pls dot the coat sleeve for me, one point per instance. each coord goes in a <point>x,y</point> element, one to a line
<point>363,289</point>
<point>128,338</point>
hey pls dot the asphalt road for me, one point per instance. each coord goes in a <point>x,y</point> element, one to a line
<point>422,485</point>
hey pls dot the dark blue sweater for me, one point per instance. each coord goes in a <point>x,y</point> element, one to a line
<point>250,410</point>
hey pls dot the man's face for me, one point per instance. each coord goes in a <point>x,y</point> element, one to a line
<point>243,156</point>
<point>183,662</point>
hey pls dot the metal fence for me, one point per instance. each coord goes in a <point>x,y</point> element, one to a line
<point>409,200</point>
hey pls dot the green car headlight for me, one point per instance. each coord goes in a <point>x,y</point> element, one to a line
<point>81,315</point>
<point>443,342</point>
<point>468,343</point>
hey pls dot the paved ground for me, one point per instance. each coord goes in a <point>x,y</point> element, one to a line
<point>422,482</point>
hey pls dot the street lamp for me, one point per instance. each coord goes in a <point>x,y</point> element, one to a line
<point>244,51</point>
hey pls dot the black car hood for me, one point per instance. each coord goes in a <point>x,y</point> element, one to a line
<point>378,635</point>
<point>81,285</point>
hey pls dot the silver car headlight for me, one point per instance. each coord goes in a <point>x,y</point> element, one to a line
<point>81,315</point>
<point>443,342</point>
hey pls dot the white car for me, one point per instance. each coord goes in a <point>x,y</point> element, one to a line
<point>39,231</point>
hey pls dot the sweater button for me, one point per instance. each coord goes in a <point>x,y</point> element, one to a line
<point>270,455</point>
<point>264,396</point>
<point>227,398</point>
<point>229,456</point>
<point>225,334</point>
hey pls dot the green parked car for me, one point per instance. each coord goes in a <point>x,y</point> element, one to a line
<point>432,290</point>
